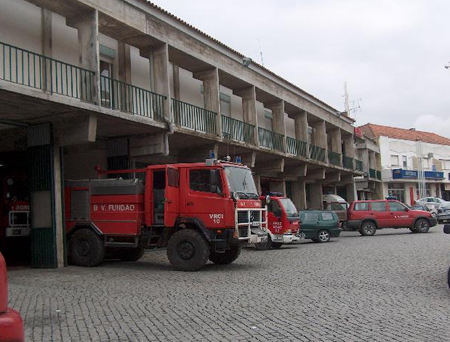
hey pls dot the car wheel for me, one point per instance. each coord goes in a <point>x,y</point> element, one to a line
<point>368,228</point>
<point>276,245</point>
<point>413,230</point>
<point>422,225</point>
<point>188,250</point>
<point>323,236</point>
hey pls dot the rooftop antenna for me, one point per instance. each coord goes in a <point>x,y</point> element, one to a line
<point>355,107</point>
<point>260,52</point>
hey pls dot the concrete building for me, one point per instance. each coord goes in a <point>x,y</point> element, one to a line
<point>401,151</point>
<point>123,84</point>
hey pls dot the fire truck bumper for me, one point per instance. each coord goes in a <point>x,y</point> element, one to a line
<point>17,231</point>
<point>11,326</point>
<point>258,236</point>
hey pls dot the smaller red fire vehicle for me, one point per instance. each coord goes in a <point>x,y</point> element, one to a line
<point>283,221</point>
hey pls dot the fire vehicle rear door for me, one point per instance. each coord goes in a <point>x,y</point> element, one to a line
<point>172,196</point>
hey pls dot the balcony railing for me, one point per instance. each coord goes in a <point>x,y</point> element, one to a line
<point>127,98</point>
<point>379,175</point>
<point>40,72</point>
<point>193,117</point>
<point>372,173</point>
<point>237,130</point>
<point>359,165</point>
<point>347,162</point>
<point>334,158</point>
<point>296,147</point>
<point>317,153</point>
<point>269,139</point>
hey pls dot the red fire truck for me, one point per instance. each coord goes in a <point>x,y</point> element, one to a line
<point>199,211</point>
<point>15,211</point>
<point>283,221</point>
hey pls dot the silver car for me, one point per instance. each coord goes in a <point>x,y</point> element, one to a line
<point>432,202</point>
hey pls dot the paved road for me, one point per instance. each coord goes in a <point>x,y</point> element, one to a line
<point>390,287</point>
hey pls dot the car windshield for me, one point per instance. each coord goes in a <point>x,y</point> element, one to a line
<point>240,180</point>
<point>289,207</point>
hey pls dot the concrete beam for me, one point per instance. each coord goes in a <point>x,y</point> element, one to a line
<point>332,177</point>
<point>315,174</point>
<point>149,145</point>
<point>78,131</point>
<point>198,154</point>
<point>274,167</point>
<point>346,179</point>
<point>294,173</point>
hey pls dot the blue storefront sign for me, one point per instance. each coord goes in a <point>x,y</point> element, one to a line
<point>413,174</point>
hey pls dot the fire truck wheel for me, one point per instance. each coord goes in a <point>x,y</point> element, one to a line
<point>422,226</point>
<point>132,254</point>
<point>368,228</point>
<point>226,258</point>
<point>86,248</point>
<point>276,245</point>
<point>188,250</point>
<point>264,245</point>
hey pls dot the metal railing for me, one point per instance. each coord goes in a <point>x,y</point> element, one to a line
<point>359,165</point>
<point>334,158</point>
<point>347,162</point>
<point>30,69</point>
<point>269,139</point>
<point>127,98</point>
<point>193,117</point>
<point>317,153</point>
<point>372,173</point>
<point>237,130</point>
<point>296,147</point>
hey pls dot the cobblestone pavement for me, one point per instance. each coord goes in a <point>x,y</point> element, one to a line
<point>389,287</point>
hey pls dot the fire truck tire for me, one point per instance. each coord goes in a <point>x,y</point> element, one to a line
<point>188,250</point>
<point>226,258</point>
<point>422,225</point>
<point>86,248</point>
<point>264,245</point>
<point>132,254</point>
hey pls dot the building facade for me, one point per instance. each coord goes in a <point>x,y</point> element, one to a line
<point>406,155</point>
<point>124,84</point>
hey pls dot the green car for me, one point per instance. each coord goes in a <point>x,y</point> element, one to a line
<point>319,225</point>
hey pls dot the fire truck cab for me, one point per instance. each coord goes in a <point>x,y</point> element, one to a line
<point>199,211</point>
<point>283,222</point>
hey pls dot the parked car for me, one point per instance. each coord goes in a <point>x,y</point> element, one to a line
<point>368,216</point>
<point>443,213</point>
<point>319,225</point>
<point>434,202</point>
<point>337,204</point>
<point>11,324</point>
<point>432,210</point>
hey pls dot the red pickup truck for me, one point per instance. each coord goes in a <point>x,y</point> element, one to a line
<point>368,216</point>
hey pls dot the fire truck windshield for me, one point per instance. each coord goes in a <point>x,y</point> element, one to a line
<point>241,181</point>
<point>289,207</point>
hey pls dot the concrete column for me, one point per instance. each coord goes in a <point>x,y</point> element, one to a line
<point>299,194</point>
<point>211,94</point>
<point>365,159</point>
<point>249,109</point>
<point>161,76</point>
<point>278,187</point>
<point>124,63</point>
<point>47,45</point>
<point>351,192</point>
<point>176,82</point>
<point>279,122</point>
<point>336,140</point>
<point>320,136</point>
<point>301,126</point>
<point>257,179</point>
<point>58,180</point>
<point>87,26</point>
<point>349,146</point>
<point>316,196</point>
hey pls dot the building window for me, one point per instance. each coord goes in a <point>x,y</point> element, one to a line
<point>269,119</point>
<point>225,105</point>
<point>405,162</point>
<point>397,191</point>
<point>394,160</point>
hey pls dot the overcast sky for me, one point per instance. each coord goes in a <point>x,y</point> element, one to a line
<point>391,53</point>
